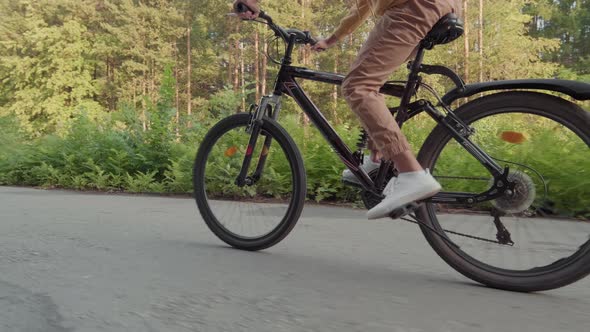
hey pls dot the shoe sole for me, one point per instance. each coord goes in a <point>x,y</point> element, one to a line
<point>404,210</point>
<point>411,199</point>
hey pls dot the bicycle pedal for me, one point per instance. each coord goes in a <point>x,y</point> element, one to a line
<point>404,210</point>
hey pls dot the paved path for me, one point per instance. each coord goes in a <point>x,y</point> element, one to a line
<point>87,262</point>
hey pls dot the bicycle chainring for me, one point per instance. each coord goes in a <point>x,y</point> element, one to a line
<point>371,200</point>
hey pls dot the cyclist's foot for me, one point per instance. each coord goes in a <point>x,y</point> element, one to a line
<point>404,189</point>
<point>368,165</point>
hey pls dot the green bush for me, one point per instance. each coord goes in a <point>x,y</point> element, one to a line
<point>111,157</point>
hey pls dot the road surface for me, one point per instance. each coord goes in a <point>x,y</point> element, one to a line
<point>95,262</point>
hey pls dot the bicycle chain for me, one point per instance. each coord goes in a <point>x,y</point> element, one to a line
<point>448,231</point>
<point>415,221</point>
<point>445,238</point>
<point>462,178</point>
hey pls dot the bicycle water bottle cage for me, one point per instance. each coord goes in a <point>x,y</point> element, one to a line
<point>447,29</point>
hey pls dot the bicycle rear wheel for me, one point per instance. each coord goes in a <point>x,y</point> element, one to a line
<point>260,214</point>
<point>545,141</point>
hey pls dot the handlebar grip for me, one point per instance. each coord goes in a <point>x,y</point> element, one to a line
<point>263,15</point>
<point>243,8</point>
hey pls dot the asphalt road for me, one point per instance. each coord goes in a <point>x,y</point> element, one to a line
<point>92,262</point>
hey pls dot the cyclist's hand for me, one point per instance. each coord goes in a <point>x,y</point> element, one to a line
<point>253,11</point>
<point>324,44</point>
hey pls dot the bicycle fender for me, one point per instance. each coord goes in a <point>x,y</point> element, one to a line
<point>574,89</point>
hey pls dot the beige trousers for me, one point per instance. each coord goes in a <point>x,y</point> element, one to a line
<point>391,43</point>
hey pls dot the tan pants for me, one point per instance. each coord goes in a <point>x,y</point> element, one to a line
<point>391,43</point>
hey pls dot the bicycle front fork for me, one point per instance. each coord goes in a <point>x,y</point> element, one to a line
<point>255,127</point>
<point>243,178</point>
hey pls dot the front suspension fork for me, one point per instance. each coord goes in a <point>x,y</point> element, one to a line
<point>255,130</point>
<point>243,179</point>
<point>262,159</point>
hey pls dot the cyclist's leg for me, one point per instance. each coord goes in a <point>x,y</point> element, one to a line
<point>392,41</point>
<point>376,155</point>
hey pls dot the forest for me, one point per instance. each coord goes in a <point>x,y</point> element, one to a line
<point>117,94</point>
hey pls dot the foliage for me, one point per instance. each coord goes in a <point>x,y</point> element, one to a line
<point>117,94</point>
<point>62,57</point>
<point>566,21</point>
<point>105,158</point>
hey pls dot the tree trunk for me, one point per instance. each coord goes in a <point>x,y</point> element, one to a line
<point>143,104</point>
<point>236,68</point>
<point>302,10</point>
<point>114,99</point>
<point>256,65</point>
<point>480,40</point>
<point>153,94</point>
<point>230,58</point>
<point>176,96</point>
<point>134,95</point>
<point>264,69</point>
<point>304,50</point>
<point>466,45</point>
<point>335,95</point>
<point>189,71</point>
<point>230,63</point>
<point>109,94</point>
<point>243,81</point>
<point>457,62</point>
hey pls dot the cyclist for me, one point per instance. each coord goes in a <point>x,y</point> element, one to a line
<point>402,24</point>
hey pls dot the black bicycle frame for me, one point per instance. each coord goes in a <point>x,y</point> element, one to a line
<point>286,84</point>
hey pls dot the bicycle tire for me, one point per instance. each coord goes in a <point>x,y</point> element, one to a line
<point>557,274</point>
<point>298,177</point>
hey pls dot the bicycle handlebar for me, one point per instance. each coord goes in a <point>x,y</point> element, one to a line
<point>301,37</point>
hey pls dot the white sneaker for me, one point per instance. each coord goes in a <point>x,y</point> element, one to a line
<point>368,165</point>
<point>404,189</point>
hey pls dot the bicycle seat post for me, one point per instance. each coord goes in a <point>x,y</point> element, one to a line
<point>411,86</point>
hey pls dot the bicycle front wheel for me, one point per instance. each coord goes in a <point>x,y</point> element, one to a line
<point>262,212</point>
<point>536,237</point>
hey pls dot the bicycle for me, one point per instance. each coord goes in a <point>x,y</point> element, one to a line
<point>493,181</point>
